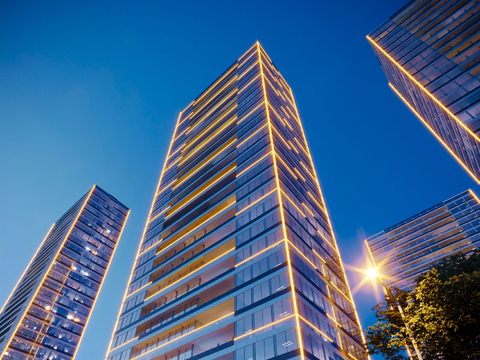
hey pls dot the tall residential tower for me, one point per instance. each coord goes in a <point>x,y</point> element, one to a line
<point>48,311</point>
<point>238,259</point>
<point>405,250</point>
<point>430,53</point>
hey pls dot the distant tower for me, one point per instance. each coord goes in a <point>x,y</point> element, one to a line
<point>430,53</point>
<point>238,222</point>
<point>48,311</point>
<point>405,250</point>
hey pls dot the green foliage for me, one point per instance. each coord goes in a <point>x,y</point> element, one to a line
<point>441,314</point>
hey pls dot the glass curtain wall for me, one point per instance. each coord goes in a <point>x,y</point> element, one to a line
<point>48,311</point>
<point>430,52</point>
<point>237,222</point>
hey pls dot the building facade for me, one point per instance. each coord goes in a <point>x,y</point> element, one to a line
<point>238,259</point>
<point>430,53</point>
<point>404,251</point>
<point>48,311</point>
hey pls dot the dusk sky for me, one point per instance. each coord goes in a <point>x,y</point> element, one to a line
<point>90,92</point>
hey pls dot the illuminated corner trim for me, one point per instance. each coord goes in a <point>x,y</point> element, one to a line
<point>469,190</point>
<point>181,336</point>
<point>20,319</point>
<point>423,88</point>
<point>28,266</point>
<point>143,234</point>
<point>434,133</point>
<point>307,150</point>
<point>284,227</point>
<point>101,284</point>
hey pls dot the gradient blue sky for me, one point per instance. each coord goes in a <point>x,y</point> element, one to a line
<point>89,94</point>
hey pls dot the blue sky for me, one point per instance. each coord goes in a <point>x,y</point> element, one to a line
<point>89,94</point>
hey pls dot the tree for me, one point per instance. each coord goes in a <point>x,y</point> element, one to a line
<point>441,314</point>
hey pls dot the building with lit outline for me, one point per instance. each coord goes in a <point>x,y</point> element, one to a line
<point>46,314</point>
<point>238,221</point>
<point>404,251</point>
<point>430,52</point>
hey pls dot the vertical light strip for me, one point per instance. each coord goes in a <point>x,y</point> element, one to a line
<point>48,270</point>
<point>328,217</point>
<point>292,284</point>
<point>100,288</point>
<point>144,231</point>
<point>28,266</point>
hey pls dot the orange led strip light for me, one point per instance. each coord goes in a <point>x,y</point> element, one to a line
<point>434,133</point>
<point>252,135</point>
<point>189,232</point>
<point>314,328</point>
<point>424,90</point>
<point>260,252</point>
<point>229,172</point>
<point>211,87</point>
<point>250,112</point>
<point>264,327</point>
<point>307,151</point>
<point>256,202</point>
<point>255,163</point>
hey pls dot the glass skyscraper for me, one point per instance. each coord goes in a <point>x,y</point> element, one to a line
<point>238,259</point>
<point>405,250</point>
<point>48,311</point>
<point>430,53</point>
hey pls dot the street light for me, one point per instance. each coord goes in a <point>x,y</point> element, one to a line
<point>373,273</point>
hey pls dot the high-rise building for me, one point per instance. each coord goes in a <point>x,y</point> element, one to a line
<point>237,222</point>
<point>405,250</point>
<point>430,53</point>
<point>48,311</point>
